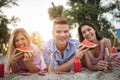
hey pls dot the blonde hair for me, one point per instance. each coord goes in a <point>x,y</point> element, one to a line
<point>11,44</point>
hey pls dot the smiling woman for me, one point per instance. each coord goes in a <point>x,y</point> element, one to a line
<point>30,61</point>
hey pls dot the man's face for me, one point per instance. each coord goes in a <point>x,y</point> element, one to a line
<point>61,34</point>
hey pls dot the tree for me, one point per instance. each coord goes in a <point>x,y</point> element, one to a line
<point>55,11</point>
<point>4,31</point>
<point>92,10</point>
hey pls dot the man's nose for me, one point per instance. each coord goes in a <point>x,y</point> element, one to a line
<point>62,34</point>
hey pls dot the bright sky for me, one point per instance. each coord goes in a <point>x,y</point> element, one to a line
<point>34,15</point>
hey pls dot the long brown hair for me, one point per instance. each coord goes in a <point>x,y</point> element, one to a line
<point>81,38</point>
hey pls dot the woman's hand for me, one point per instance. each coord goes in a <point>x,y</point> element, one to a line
<point>28,57</point>
<point>15,56</point>
<point>102,65</point>
<point>81,50</point>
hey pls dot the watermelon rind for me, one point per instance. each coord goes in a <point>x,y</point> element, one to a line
<point>91,47</point>
<point>24,51</point>
<point>89,44</point>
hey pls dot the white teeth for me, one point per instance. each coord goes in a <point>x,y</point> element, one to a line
<point>21,45</point>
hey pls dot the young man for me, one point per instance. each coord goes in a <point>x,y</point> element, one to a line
<point>62,47</point>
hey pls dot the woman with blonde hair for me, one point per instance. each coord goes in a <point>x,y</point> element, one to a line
<point>19,61</point>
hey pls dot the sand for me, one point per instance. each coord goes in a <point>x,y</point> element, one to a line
<point>84,75</point>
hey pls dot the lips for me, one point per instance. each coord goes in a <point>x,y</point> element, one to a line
<point>25,49</point>
<point>21,46</point>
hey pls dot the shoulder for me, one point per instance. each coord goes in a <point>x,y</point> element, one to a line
<point>49,43</point>
<point>106,40</point>
<point>74,41</point>
<point>35,47</point>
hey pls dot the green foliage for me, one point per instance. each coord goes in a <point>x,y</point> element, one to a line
<point>4,33</point>
<point>4,21</point>
<point>7,3</point>
<point>92,10</point>
<point>55,12</point>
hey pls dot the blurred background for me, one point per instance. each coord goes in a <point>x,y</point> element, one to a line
<point>36,17</point>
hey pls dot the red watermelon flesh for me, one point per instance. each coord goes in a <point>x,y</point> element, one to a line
<point>88,44</point>
<point>25,49</point>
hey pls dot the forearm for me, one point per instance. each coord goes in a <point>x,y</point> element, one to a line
<point>92,68</point>
<point>101,65</point>
<point>31,67</point>
<point>14,67</point>
<point>89,64</point>
<point>66,67</point>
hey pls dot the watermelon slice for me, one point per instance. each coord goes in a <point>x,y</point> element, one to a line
<point>25,49</point>
<point>88,44</point>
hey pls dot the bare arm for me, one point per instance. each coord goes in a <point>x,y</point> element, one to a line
<point>28,62</point>
<point>88,63</point>
<point>31,67</point>
<point>101,65</point>
<point>14,67</point>
<point>13,61</point>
